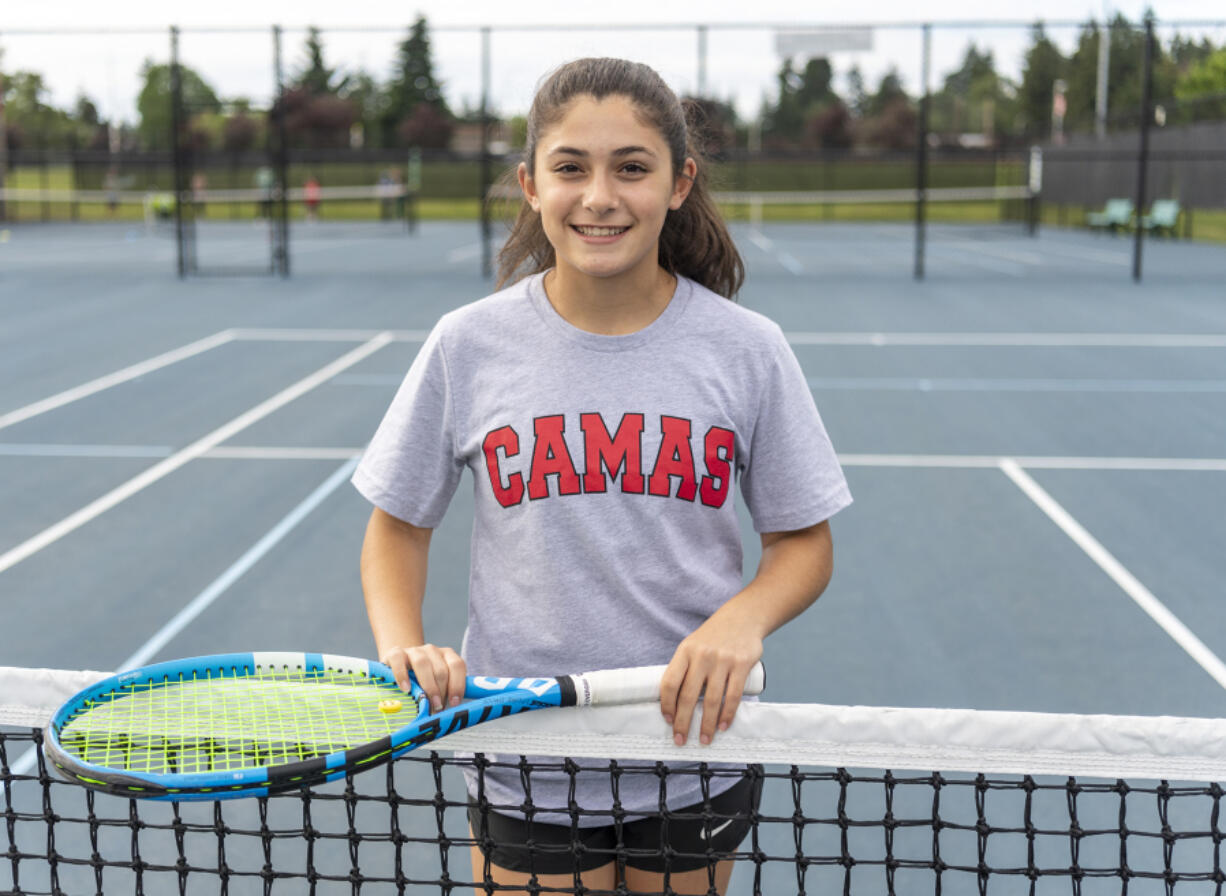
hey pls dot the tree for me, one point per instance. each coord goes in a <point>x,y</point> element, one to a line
<point>315,77</point>
<point>802,96</point>
<point>1124,75</point>
<point>427,127</point>
<point>153,102</point>
<point>31,121</point>
<point>1201,90</point>
<point>369,101</point>
<point>857,98</point>
<point>413,82</point>
<point>891,121</point>
<point>974,98</point>
<point>889,92</point>
<point>1043,65</point>
<point>317,122</point>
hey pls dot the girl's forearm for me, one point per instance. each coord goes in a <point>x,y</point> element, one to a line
<point>394,563</point>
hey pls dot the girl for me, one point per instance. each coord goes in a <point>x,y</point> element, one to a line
<point>606,402</point>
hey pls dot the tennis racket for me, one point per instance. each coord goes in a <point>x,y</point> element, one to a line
<point>251,724</point>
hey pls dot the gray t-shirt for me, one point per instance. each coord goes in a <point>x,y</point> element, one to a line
<point>604,525</point>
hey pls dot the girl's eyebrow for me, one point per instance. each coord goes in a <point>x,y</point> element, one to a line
<point>583,154</point>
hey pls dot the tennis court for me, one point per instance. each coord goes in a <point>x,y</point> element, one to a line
<point>1036,446</point>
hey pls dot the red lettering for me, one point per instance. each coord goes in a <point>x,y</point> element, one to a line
<point>675,459</point>
<point>506,440</point>
<point>550,457</point>
<point>622,452</point>
<point>719,447</point>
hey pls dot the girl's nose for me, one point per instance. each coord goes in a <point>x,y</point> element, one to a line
<point>600,195</point>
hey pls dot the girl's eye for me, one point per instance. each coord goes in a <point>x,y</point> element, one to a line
<point>634,168</point>
<point>566,168</point>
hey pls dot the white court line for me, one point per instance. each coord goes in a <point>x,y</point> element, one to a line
<point>15,449</point>
<point>238,452</point>
<point>114,379</point>
<point>992,461</point>
<point>785,259</point>
<point>1015,384</point>
<point>1017,340</point>
<point>1142,596</point>
<point>223,452</point>
<point>250,558</point>
<point>221,584</point>
<point>303,334</point>
<point>158,471</point>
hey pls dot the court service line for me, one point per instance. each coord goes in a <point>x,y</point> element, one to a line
<point>198,448</point>
<point>1015,340</point>
<point>1142,596</point>
<point>1039,462</point>
<point>304,334</point>
<point>114,379</point>
<point>1017,384</point>
<point>240,567</point>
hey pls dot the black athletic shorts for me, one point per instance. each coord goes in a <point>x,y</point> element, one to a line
<point>694,837</point>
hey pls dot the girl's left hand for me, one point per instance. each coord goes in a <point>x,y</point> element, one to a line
<point>710,666</point>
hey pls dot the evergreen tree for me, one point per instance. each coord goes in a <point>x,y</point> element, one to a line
<point>412,84</point>
<point>802,97</point>
<point>315,77</point>
<point>1125,71</point>
<point>1044,64</point>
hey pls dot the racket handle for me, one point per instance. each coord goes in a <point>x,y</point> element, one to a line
<point>610,687</point>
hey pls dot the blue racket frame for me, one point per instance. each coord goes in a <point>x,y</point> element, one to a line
<point>487,698</point>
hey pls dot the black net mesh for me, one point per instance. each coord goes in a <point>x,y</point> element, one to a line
<point>405,829</point>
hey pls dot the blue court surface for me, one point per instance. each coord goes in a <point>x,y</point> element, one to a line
<point>1036,445</point>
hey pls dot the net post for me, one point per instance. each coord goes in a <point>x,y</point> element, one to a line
<point>1034,190</point>
<point>1147,83</point>
<point>921,154</point>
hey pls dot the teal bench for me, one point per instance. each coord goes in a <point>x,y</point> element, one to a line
<point>1162,218</point>
<point>1116,215</point>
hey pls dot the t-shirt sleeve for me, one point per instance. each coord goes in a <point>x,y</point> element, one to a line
<point>411,467</point>
<point>793,478</point>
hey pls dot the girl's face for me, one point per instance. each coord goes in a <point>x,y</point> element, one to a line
<point>603,184</point>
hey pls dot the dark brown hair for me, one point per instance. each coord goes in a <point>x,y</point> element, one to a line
<point>694,242</point>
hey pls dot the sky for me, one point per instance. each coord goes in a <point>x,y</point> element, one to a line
<point>104,64</point>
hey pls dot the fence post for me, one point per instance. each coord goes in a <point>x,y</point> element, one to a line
<point>921,157</point>
<point>1147,82</point>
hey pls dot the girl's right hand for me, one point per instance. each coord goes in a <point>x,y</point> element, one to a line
<point>440,672</point>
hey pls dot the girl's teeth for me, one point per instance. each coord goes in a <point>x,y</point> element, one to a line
<point>600,231</point>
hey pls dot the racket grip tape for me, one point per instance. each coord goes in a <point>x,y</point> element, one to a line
<point>610,687</point>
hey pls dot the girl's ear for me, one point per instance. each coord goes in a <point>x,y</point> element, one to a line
<point>683,185</point>
<point>528,185</point>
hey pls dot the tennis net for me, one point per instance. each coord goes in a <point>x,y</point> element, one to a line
<point>974,802</point>
<point>341,203</point>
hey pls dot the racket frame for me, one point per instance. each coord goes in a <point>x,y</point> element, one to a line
<point>487,698</point>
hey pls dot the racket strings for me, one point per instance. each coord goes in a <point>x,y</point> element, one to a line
<point>215,720</point>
